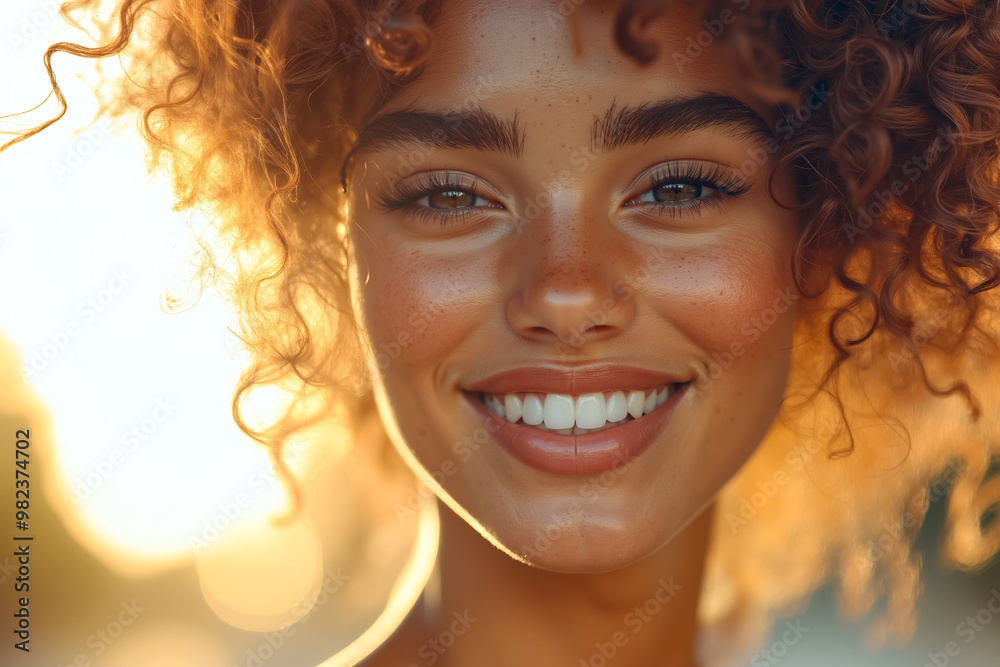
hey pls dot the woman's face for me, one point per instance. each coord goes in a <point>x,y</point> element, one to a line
<point>573,237</point>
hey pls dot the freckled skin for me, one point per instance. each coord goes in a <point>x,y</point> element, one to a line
<point>443,307</point>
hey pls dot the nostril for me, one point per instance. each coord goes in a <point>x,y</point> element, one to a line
<point>578,336</point>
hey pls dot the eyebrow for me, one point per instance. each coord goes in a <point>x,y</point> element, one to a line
<point>466,128</point>
<point>637,125</point>
<point>628,125</point>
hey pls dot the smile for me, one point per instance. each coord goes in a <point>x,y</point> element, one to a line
<point>576,420</point>
<point>577,415</point>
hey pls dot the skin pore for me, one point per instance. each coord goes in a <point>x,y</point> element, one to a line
<point>520,204</point>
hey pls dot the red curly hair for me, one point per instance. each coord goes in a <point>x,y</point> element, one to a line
<point>891,120</point>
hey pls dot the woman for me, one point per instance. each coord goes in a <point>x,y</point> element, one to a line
<point>659,299</point>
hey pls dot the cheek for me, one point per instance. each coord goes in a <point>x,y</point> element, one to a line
<point>732,299</point>
<point>417,308</point>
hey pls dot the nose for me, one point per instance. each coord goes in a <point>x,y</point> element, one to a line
<point>571,288</point>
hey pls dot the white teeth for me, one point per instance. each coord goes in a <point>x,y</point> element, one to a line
<point>533,410</point>
<point>617,407</point>
<point>498,407</point>
<point>635,401</point>
<point>591,411</point>
<point>514,408</point>
<point>661,396</point>
<point>650,403</point>
<point>582,414</point>
<point>559,411</point>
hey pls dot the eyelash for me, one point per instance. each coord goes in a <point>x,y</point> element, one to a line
<point>405,195</point>
<point>715,177</point>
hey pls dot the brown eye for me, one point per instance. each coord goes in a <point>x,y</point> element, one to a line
<point>451,199</point>
<point>676,191</point>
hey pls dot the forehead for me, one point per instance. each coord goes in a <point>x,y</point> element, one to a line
<point>540,58</point>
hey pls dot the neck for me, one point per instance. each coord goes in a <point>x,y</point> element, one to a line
<point>495,610</point>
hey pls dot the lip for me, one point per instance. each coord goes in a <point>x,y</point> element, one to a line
<point>586,454</point>
<point>569,380</point>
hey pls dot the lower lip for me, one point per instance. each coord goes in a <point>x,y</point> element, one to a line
<point>585,454</point>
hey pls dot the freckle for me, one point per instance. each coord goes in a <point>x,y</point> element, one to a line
<point>718,409</point>
<point>421,432</point>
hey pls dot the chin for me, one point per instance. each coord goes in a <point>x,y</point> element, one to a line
<point>600,538</point>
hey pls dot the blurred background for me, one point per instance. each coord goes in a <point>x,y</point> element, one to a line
<point>152,517</point>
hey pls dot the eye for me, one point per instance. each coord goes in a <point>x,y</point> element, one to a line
<point>452,198</point>
<point>682,187</point>
<point>440,197</point>
<point>673,192</point>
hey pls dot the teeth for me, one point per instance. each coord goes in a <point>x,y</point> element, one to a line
<point>513,408</point>
<point>650,403</point>
<point>533,412</point>
<point>559,411</point>
<point>617,407</point>
<point>591,411</point>
<point>635,401</point>
<point>565,414</point>
<point>661,397</point>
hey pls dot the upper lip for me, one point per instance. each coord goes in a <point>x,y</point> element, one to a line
<point>575,380</point>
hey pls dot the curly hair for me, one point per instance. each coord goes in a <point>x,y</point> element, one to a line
<point>890,122</point>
